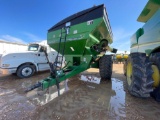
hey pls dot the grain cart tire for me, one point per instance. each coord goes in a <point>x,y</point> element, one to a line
<point>25,71</point>
<point>105,67</point>
<point>139,75</point>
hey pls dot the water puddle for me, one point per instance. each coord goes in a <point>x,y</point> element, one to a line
<point>89,101</point>
<point>43,97</point>
<point>117,101</point>
<point>84,100</point>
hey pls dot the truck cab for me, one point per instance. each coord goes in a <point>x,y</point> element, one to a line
<point>26,63</point>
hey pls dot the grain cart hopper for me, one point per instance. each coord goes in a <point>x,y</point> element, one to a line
<point>143,65</point>
<point>83,39</point>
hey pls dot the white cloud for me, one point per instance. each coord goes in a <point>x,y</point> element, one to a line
<point>12,39</point>
<point>121,39</point>
<point>32,37</point>
<point>121,34</point>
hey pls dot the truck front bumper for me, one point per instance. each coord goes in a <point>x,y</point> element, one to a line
<point>7,71</point>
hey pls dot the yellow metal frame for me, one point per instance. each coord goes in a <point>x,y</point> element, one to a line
<point>129,73</point>
<point>155,76</point>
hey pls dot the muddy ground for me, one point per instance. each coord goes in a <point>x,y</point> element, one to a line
<point>79,100</point>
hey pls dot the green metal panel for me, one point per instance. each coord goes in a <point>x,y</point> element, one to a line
<point>135,37</point>
<point>147,38</point>
<point>151,7</point>
<point>82,37</point>
<point>52,81</point>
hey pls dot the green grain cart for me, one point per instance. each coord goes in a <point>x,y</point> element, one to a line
<point>143,66</point>
<point>83,39</point>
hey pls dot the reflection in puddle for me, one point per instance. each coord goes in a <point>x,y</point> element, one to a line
<point>44,97</point>
<point>89,101</point>
<point>84,100</point>
<point>117,102</point>
<point>90,78</point>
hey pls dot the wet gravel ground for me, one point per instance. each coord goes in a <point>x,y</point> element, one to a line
<point>79,100</point>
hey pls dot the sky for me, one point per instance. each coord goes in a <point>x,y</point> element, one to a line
<point>27,21</point>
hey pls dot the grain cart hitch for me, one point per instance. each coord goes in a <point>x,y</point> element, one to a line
<point>83,39</point>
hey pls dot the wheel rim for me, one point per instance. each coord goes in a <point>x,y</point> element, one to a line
<point>155,76</point>
<point>26,71</point>
<point>129,73</point>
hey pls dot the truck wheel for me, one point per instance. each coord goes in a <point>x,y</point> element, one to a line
<point>139,75</point>
<point>105,67</point>
<point>25,71</point>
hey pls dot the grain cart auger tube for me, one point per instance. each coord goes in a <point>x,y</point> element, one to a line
<point>83,39</point>
<point>143,65</point>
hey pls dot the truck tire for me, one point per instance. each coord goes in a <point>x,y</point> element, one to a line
<point>139,75</point>
<point>25,71</point>
<point>105,67</point>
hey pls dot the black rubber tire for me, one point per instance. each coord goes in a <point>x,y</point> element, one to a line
<point>155,58</point>
<point>125,67</point>
<point>105,67</point>
<point>141,79</point>
<point>23,68</point>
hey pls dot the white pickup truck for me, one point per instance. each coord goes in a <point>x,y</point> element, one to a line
<point>25,64</point>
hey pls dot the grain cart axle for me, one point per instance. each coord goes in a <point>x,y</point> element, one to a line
<point>83,39</point>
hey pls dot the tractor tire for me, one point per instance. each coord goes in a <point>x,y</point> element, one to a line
<point>25,71</point>
<point>105,67</point>
<point>139,75</point>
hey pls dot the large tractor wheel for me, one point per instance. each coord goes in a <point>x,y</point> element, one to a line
<point>105,67</point>
<point>139,75</point>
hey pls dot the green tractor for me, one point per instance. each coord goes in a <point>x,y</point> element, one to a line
<point>142,68</point>
<point>83,39</point>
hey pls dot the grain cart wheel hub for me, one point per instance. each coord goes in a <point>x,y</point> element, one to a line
<point>155,76</point>
<point>129,73</point>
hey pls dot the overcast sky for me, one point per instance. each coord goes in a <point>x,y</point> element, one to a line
<point>27,21</point>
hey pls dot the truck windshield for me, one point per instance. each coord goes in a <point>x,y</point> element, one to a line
<point>33,47</point>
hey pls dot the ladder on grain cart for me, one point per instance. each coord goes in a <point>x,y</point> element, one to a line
<point>56,68</point>
<point>61,49</point>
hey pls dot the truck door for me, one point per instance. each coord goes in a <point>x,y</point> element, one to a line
<point>42,60</point>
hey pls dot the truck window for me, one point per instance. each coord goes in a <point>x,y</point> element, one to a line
<point>42,49</point>
<point>33,47</point>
